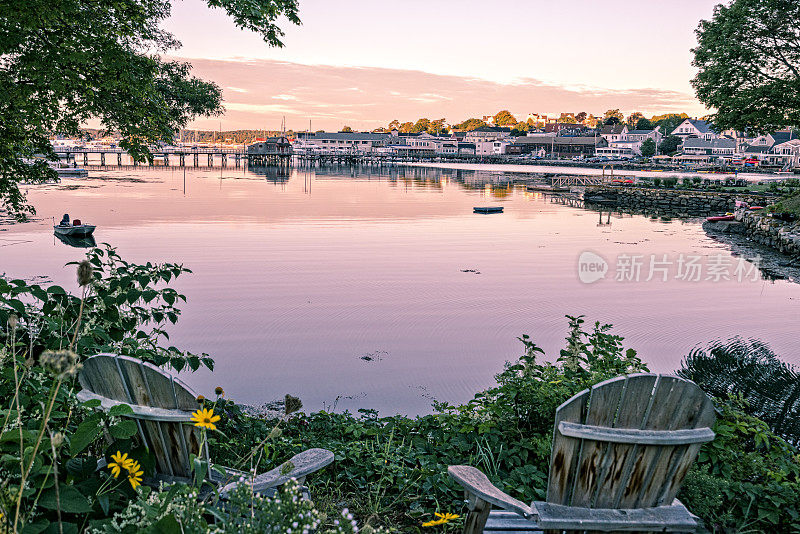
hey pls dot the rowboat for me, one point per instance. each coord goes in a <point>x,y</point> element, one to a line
<point>488,209</point>
<point>81,230</point>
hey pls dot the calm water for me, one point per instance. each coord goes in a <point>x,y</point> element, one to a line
<point>297,280</point>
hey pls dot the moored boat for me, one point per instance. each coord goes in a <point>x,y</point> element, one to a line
<point>81,230</point>
<point>488,209</point>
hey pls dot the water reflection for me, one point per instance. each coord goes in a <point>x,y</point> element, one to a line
<point>295,280</point>
<point>77,242</point>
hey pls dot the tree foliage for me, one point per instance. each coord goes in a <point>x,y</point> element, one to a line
<point>669,121</point>
<point>615,113</point>
<point>633,118</point>
<point>648,148</point>
<point>505,118</point>
<point>346,129</point>
<point>65,63</point>
<point>750,370</point>
<point>469,124</point>
<point>670,144</point>
<point>748,61</point>
<point>644,124</point>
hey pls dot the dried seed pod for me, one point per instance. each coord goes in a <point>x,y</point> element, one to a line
<point>292,404</point>
<point>84,273</point>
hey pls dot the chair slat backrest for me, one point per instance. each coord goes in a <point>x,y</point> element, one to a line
<point>643,467</point>
<point>134,382</point>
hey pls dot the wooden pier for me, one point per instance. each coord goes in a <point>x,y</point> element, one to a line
<point>268,155</point>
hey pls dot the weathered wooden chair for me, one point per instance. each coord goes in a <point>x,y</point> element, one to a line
<point>162,406</point>
<point>620,453</point>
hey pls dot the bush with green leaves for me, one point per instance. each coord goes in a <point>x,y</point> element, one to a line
<point>50,443</point>
<point>393,470</point>
<point>179,509</point>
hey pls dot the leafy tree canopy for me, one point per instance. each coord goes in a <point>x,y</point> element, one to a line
<point>670,144</point>
<point>644,124</point>
<point>633,118</point>
<point>610,121</point>
<point>580,117</point>
<point>648,148</point>
<point>748,61</point>
<point>668,122</point>
<point>346,129</point>
<point>505,118</point>
<point>613,113</point>
<point>64,63</point>
<point>469,124</point>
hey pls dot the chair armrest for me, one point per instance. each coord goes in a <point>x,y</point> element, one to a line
<point>478,485</point>
<point>299,466</point>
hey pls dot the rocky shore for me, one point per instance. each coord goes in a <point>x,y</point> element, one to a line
<point>783,236</point>
<point>753,234</point>
<point>680,202</point>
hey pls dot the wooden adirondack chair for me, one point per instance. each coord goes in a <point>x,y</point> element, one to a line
<point>620,453</point>
<point>162,406</point>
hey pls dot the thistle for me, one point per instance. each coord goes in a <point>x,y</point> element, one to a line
<point>291,404</point>
<point>62,363</point>
<point>85,270</point>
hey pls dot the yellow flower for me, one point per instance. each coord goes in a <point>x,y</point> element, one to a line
<point>120,461</point>
<point>205,418</point>
<point>135,474</point>
<point>443,519</point>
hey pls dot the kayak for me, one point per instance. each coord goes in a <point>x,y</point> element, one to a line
<point>721,218</point>
<point>756,207</point>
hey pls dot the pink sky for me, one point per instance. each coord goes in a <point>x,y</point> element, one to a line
<point>364,63</point>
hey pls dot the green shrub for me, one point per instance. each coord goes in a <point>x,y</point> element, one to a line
<point>393,470</point>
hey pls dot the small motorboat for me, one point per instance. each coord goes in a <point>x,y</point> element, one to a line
<point>73,229</point>
<point>719,218</point>
<point>488,209</point>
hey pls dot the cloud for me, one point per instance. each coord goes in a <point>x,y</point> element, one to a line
<point>369,97</point>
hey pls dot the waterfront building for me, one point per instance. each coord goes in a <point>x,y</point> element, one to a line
<point>363,142</point>
<point>487,133</point>
<point>696,128</point>
<point>699,150</point>
<point>627,144</point>
<point>555,146</point>
<point>613,132</point>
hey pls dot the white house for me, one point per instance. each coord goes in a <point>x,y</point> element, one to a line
<point>626,143</point>
<point>491,148</point>
<point>707,150</point>
<point>614,132</point>
<point>695,128</point>
<point>785,155</point>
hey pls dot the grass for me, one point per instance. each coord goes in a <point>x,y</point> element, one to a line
<point>788,205</point>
